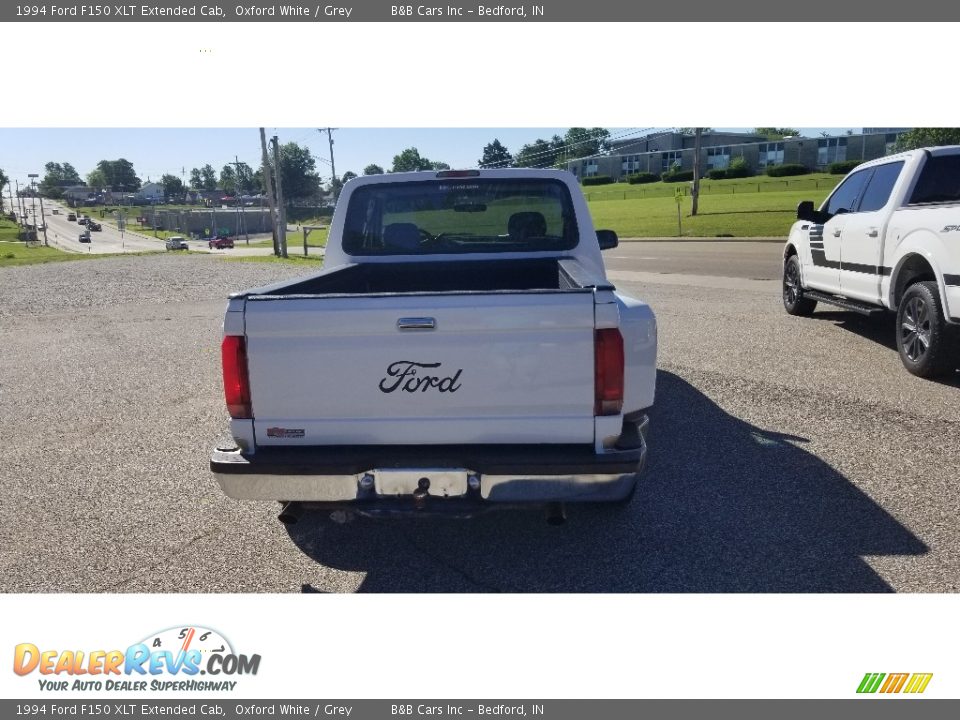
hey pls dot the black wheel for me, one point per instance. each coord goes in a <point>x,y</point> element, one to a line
<point>793,300</point>
<point>922,332</point>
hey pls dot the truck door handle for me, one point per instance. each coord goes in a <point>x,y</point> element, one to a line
<point>873,232</point>
<point>836,233</point>
<point>416,323</point>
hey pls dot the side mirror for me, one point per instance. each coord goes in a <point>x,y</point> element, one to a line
<point>608,239</point>
<point>805,211</point>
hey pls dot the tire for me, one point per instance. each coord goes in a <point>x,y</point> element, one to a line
<point>923,337</point>
<point>793,300</point>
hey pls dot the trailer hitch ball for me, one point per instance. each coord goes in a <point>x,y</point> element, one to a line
<point>421,494</point>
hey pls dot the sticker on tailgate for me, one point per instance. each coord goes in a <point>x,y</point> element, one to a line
<point>279,432</point>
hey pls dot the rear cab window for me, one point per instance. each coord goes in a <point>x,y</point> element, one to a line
<point>460,215</point>
<point>939,181</point>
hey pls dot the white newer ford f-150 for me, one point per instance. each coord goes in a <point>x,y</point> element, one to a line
<point>463,350</point>
<point>887,238</point>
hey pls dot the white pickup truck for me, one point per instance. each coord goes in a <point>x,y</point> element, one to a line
<point>463,350</point>
<point>887,238</point>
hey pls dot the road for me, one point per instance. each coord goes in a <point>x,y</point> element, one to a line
<point>786,454</point>
<point>64,234</point>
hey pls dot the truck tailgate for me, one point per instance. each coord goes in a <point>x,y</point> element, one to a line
<point>446,368</point>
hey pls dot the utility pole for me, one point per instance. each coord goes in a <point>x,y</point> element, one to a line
<point>43,219</point>
<point>241,213</point>
<point>19,202</point>
<point>333,168</point>
<point>269,183</point>
<point>696,171</point>
<point>281,208</point>
<point>33,199</point>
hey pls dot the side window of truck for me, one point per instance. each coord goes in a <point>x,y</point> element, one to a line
<point>939,181</point>
<point>880,186</point>
<point>844,198</point>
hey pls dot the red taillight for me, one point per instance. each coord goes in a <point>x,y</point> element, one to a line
<point>236,384</point>
<point>608,372</point>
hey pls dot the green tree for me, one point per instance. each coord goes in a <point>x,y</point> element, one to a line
<point>539,153</point>
<point>228,180</point>
<point>348,175</point>
<point>495,155</point>
<point>773,133</point>
<point>246,179</point>
<point>196,179</point>
<point>410,160</point>
<point>4,181</point>
<point>373,169</point>
<point>928,137</point>
<point>97,179</point>
<point>119,175</point>
<point>299,172</point>
<point>173,188</point>
<point>693,130</point>
<point>208,177</point>
<point>579,142</point>
<point>437,165</point>
<point>57,177</point>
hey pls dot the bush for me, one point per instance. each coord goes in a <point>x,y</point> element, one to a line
<point>677,176</point>
<point>843,167</point>
<point>716,174</point>
<point>785,170</point>
<point>642,178</point>
<point>738,168</point>
<point>597,180</point>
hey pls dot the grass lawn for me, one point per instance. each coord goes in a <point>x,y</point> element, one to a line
<point>740,215</point>
<point>309,263</point>
<point>316,239</point>
<point>812,183</point>
<point>13,254</point>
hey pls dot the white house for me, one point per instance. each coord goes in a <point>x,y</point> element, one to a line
<point>150,192</point>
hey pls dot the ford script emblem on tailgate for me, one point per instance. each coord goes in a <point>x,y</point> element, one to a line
<point>404,375</point>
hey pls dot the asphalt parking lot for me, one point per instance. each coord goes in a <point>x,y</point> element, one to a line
<point>786,454</point>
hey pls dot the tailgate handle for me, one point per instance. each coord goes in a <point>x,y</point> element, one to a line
<point>416,323</point>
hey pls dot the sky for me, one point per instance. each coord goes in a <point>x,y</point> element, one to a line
<point>155,152</point>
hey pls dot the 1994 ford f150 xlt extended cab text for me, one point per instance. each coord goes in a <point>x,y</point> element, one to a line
<point>887,238</point>
<point>462,351</point>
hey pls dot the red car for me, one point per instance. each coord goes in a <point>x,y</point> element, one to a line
<point>219,243</point>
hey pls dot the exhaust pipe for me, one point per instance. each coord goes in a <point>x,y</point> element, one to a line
<point>556,514</point>
<point>290,513</point>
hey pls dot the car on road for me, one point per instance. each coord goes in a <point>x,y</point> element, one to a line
<point>887,239</point>
<point>176,242</point>
<point>92,225</point>
<point>462,350</point>
<point>220,242</point>
<point>71,217</point>
<point>56,212</point>
<point>85,236</point>
<point>83,220</point>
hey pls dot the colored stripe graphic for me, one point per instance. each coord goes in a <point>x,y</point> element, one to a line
<point>870,682</point>
<point>894,683</point>
<point>918,683</point>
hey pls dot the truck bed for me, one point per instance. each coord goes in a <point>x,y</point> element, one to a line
<point>546,274</point>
